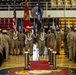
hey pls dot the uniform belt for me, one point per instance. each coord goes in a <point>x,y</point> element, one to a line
<point>42,39</point>
<point>14,39</point>
<point>29,39</point>
<point>21,40</point>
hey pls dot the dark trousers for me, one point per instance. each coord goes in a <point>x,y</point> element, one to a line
<point>75,57</point>
<point>4,54</point>
<point>1,59</point>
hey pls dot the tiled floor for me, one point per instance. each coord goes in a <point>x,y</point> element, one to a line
<point>18,61</point>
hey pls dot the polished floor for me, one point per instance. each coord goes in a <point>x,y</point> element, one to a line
<point>18,61</point>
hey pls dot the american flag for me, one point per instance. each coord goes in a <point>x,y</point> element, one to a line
<point>14,17</point>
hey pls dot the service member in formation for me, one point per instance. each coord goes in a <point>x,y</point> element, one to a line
<point>58,40</point>
<point>48,38</point>
<point>74,45</point>
<point>41,41</point>
<point>25,42</point>
<point>66,51</point>
<point>6,39</point>
<point>70,44</point>
<point>10,34</point>
<point>21,39</point>
<point>53,40</point>
<point>1,47</point>
<point>30,39</point>
<point>15,43</point>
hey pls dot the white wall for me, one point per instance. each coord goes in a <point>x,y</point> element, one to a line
<point>52,13</point>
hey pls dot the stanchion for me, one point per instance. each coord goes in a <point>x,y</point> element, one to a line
<point>26,60</point>
<point>54,59</point>
<point>51,56</point>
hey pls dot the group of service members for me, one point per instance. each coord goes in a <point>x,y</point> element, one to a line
<point>12,42</point>
<point>70,43</point>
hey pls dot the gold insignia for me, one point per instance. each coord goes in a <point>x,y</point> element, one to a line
<point>40,71</point>
<point>26,16</point>
<point>21,72</point>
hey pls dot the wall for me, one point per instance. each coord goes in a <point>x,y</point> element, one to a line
<point>53,13</point>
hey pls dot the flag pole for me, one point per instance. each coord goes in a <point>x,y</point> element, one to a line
<point>38,0</point>
<point>68,23</point>
<point>14,18</point>
<point>8,16</point>
<point>34,22</point>
<point>53,24</point>
<point>0,22</point>
<point>15,13</point>
<point>48,22</point>
<point>25,0</point>
<point>21,25</point>
<point>24,8</point>
<point>4,22</point>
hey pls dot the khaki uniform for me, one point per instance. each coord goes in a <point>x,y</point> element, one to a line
<point>74,47</point>
<point>6,45</point>
<point>15,43</point>
<point>10,34</point>
<point>1,49</point>
<point>30,39</point>
<point>70,44</point>
<point>52,41</point>
<point>58,41</point>
<point>41,42</point>
<point>48,39</point>
<point>65,43</point>
<point>21,40</point>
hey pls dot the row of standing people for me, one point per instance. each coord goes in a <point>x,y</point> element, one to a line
<point>70,43</point>
<point>14,41</point>
<point>4,43</point>
<point>10,43</point>
<point>52,39</point>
